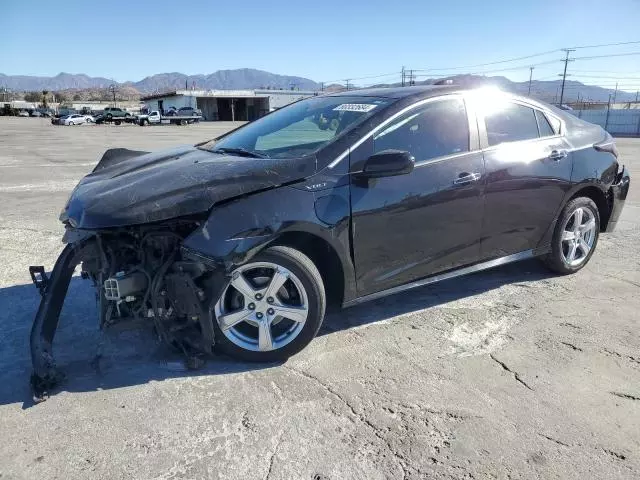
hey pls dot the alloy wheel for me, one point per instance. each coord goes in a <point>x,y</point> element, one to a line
<point>578,235</point>
<point>263,308</point>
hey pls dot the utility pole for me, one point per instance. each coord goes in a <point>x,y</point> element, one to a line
<point>412,78</point>
<point>530,77</point>
<point>112,89</point>
<point>637,96</point>
<point>564,75</point>
<point>322,86</point>
<point>615,93</point>
<point>402,73</point>
<point>606,121</point>
<point>347,81</point>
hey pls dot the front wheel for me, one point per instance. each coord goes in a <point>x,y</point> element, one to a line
<point>575,236</point>
<point>271,308</point>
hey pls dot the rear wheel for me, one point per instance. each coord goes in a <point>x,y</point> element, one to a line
<point>272,307</point>
<point>575,237</point>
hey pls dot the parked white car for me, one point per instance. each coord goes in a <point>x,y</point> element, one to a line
<point>76,119</point>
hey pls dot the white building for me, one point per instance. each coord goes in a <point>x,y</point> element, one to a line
<point>226,105</point>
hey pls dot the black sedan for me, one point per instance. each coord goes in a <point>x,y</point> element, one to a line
<point>241,242</point>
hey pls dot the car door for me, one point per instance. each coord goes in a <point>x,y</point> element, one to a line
<point>528,171</point>
<point>410,226</point>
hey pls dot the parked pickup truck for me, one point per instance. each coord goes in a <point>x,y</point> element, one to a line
<point>156,118</point>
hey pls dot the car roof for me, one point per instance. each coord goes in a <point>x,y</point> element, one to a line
<point>419,92</point>
<point>401,92</point>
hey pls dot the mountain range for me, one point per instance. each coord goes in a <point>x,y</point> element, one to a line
<point>248,78</point>
<point>222,79</point>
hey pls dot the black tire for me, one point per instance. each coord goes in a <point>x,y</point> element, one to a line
<point>555,259</point>
<point>300,265</point>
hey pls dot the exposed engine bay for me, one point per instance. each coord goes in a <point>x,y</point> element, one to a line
<point>139,273</point>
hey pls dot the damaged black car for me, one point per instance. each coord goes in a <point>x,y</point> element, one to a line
<point>239,244</point>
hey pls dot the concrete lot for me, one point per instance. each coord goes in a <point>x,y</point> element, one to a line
<point>512,373</point>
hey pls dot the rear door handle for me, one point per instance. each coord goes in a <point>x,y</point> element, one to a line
<point>465,178</point>
<point>557,155</point>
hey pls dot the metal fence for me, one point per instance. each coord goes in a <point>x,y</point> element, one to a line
<point>616,122</point>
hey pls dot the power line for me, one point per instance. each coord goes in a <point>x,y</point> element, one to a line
<point>488,64</point>
<point>498,62</point>
<point>362,78</point>
<point>606,45</point>
<point>530,56</point>
<point>603,76</point>
<point>519,67</point>
<point>607,56</point>
<point>602,71</point>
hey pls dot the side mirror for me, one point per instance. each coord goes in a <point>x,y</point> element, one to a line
<point>388,163</point>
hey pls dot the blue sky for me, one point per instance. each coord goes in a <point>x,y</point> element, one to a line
<point>323,40</point>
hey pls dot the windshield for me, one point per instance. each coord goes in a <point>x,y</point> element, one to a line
<point>299,129</point>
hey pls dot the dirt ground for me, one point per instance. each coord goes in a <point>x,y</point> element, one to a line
<point>511,373</point>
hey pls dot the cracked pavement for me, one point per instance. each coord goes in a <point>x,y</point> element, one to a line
<point>511,373</point>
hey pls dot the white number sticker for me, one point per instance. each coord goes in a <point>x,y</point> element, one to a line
<point>355,107</point>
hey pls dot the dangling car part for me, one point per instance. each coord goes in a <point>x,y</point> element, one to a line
<point>240,242</point>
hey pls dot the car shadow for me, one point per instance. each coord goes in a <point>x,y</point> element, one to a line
<point>129,354</point>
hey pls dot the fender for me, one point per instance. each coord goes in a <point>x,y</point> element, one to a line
<point>236,231</point>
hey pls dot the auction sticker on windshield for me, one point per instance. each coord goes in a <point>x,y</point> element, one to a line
<point>355,107</point>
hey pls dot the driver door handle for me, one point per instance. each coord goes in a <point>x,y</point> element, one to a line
<point>557,155</point>
<point>465,178</point>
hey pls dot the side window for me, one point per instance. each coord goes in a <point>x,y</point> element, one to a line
<point>555,123</point>
<point>433,130</point>
<point>510,122</point>
<point>543,125</point>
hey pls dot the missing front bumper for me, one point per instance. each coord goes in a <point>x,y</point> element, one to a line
<point>53,290</point>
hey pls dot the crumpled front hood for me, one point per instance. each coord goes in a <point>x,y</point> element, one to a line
<point>129,187</point>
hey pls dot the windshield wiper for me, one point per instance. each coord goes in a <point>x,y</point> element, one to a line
<point>241,151</point>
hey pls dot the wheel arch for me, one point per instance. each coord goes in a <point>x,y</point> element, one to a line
<point>324,256</point>
<point>600,198</point>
